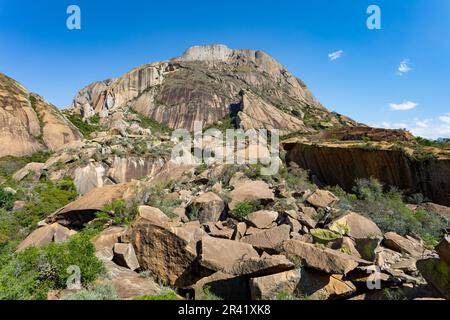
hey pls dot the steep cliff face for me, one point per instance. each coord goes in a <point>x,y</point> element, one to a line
<point>204,84</point>
<point>28,123</point>
<point>341,165</point>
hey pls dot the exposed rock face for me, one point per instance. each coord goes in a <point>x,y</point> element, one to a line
<point>205,84</point>
<point>121,170</point>
<point>45,235</point>
<point>28,123</point>
<point>326,260</point>
<point>83,209</point>
<point>128,284</point>
<point>168,252</point>
<point>250,191</point>
<point>337,164</point>
<point>220,254</point>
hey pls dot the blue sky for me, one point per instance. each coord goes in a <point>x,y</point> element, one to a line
<point>39,51</point>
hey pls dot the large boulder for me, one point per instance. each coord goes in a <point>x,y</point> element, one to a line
<point>258,267</point>
<point>127,283</point>
<point>125,256</point>
<point>250,191</point>
<point>221,254</point>
<point>224,286</point>
<point>262,219</point>
<point>437,273</point>
<point>169,252</point>
<point>45,235</point>
<point>320,258</point>
<point>400,244</point>
<point>443,249</point>
<point>33,168</point>
<point>317,285</point>
<point>207,207</point>
<point>273,286</point>
<point>269,239</point>
<point>321,199</point>
<point>83,210</point>
<point>104,242</point>
<point>356,226</point>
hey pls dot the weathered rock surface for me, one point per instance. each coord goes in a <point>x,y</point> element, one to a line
<point>28,123</point>
<point>338,164</point>
<point>125,256</point>
<point>403,245</point>
<point>220,254</point>
<point>269,239</point>
<point>250,191</point>
<point>168,252</point>
<point>321,198</point>
<point>84,208</point>
<point>356,226</point>
<point>208,207</point>
<point>105,241</point>
<point>128,284</point>
<point>437,273</point>
<point>324,259</point>
<point>270,287</point>
<point>262,219</point>
<point>258,267</point>
<point>204,85</point>
<point>45,235</point>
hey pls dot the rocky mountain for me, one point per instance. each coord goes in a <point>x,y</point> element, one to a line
<point>208,83</point>
<point>108,197</point>
<point>28,123</point>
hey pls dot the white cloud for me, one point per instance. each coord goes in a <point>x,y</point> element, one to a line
<point>404,67</point>
<point>407,105</point>
<point>335,55</point>
<point>426,128</point>
<point>445,118</point>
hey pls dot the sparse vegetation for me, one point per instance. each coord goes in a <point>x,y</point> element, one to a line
<point>243,209</point>
<point>31,274</point>
<point>390,213</point>
<point>86,127</point>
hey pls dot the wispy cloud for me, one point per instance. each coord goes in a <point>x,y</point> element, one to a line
<point>445,118</point>
<point>407,105</point>
<point>335,55</point>
<point>404,67</point>
<point>427,128</point>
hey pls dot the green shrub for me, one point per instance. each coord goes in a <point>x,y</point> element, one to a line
<point>32,273</point>
<point>369,190</point>
<point>45,198</point>
<point>166,294</point>
<point>390,213</point>
<point>97,292</point>
<point>119,212</point>
<point>209,295</point>
<point>6,199</point>
<point>86,127</point>
<point>243,209</point>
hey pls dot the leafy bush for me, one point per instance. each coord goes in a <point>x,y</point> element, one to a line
<point>243,209</point>
<point>119,212</point>
<point>31,274</point>
<point>369,190</point>
<point>44,199</point>
<point>86,127</point>
<point>6,199</point>
<point>390,213</point>
<point>209,295</point>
